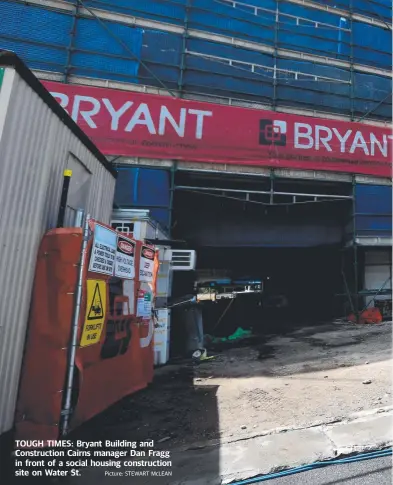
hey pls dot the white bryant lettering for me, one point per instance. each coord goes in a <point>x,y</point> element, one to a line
<point>323,139</point>
<point>306,135</point>
<point>115,114</point>
<point>342,139</point>
<point>141,116</point>
<point>383,148</point>
<point>166,115</point>
<point>136,119</point>
<point>199,125</point>
<point>86,114</point>
<point>61,98</point>
<point>359,142</point>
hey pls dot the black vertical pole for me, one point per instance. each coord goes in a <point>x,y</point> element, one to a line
<point>276,27</point>
<point>355,251</point>
<point>64,194</point>
<point>171,197</point>
<point>183,56</point>
<point>351,62</point>
<point>70,48</point>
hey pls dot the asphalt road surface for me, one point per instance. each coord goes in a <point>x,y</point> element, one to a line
<point>377,471</point>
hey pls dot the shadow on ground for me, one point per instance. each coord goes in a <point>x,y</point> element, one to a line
<point>302,350</point>
<point>190,405</point>
<point>181,406</point>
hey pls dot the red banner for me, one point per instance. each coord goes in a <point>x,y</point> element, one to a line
<point>151,126</point>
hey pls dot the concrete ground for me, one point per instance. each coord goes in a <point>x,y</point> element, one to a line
<point>232,462</point>
<point>307,377</point>
<point>266,404</point>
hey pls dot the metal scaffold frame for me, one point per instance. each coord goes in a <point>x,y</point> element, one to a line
<point>275,74</point>
<point>351,250</point>
<point>351,247</point>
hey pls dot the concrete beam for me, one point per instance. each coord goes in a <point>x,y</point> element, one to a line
<point>252,171</point>
<point>144,89</point>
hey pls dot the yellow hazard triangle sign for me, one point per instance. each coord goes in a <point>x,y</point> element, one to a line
<point>96,310</point>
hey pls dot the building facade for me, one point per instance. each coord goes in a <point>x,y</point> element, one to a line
<point>239,124</point>
<point>308,57</point>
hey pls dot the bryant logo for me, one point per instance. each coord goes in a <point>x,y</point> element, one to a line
<point>272,132</point>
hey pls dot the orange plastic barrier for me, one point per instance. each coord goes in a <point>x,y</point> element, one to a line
<point>114,357</point>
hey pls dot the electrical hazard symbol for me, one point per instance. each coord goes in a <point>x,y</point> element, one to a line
<point>95,312</point>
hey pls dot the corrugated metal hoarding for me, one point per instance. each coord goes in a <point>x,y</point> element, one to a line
<point>37,143</point>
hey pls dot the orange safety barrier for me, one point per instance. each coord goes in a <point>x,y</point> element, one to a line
<point>114,357</point>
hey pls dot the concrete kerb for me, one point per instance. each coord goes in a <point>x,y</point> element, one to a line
<point>367,433</point>
<point>283,449</point>
<point>320,423</point>
<point>277,450</point>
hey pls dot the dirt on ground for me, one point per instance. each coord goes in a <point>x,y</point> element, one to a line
<point>305,377</point>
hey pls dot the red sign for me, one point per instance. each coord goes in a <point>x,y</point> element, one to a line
<point>126,247</point>
<point>151,126</point>
<point>148,253</point>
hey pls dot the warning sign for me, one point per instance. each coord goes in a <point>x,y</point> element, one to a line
<point>125,258</point>
<point>144,304</point>
<point>103,251</point>
<point>95,312</point>
<point>146,265</point>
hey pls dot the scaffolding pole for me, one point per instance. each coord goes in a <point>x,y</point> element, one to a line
<point>171,197</point>
<point>355,250</point>
<point>183,66</point>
